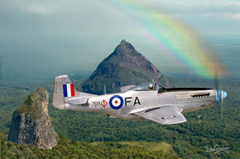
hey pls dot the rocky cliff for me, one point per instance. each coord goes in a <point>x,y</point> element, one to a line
<point>31,123</point>
<point>125,66</point>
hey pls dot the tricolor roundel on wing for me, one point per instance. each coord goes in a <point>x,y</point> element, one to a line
<point>116,102</point>
<point>68,90</point>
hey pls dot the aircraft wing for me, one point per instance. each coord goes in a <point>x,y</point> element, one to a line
<point>163,114</point>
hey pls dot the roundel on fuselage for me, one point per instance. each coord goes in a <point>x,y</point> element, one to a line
<point>116,102</point>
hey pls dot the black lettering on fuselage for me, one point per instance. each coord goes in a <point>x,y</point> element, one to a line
<point>127,101</point>
<point>137,101</point>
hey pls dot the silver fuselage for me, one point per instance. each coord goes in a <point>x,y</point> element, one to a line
<point>189,98</point>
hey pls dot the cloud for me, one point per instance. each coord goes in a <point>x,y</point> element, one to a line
<point>196,7</point>
<point>232,15</point>
<point>43,9</point>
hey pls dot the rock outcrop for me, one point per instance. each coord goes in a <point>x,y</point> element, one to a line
<point>31,123</point>
<point>125,66</point>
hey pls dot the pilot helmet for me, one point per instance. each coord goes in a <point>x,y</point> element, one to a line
<point>150,86</point>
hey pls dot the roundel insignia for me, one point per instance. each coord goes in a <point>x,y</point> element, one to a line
<point>116,102</point>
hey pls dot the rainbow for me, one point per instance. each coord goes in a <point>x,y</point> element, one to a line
<point>175,38</point>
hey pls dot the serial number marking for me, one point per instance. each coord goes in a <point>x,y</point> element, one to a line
<point>95,104</point>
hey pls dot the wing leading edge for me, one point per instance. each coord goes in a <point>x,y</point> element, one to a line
<point>163,114</point>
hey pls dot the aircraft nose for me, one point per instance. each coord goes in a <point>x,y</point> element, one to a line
<point>220,95</point>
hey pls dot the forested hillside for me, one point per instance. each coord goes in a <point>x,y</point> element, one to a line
<point>189,140</point>
<point>68,148</point>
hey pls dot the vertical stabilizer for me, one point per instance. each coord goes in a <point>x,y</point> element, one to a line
<point>65,94</point>
<point>58,94</point>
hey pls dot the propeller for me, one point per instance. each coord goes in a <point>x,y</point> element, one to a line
<point>220,95</point>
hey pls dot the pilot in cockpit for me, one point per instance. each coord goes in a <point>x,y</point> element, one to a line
<point>150,87</point>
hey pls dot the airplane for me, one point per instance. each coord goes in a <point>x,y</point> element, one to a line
<point>146,101</point>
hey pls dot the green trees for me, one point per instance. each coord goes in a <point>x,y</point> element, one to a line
<point>188,139</point>
<point>67,148</point>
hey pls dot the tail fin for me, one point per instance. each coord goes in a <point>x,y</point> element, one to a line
<point>63,88</point>
<point>65,93</point>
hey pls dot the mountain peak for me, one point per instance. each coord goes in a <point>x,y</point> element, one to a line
<point>123,42</point>
<point>125,48</point>
<point>31,123</point>
<point>125,66</point>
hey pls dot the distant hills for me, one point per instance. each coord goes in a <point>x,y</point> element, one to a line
<point>125,66</point>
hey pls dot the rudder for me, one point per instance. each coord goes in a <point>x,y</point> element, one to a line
<point>63,89</point>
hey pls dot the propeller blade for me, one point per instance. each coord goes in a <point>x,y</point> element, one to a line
<point>220,95</point>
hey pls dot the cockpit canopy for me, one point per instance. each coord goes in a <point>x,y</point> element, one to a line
<point>146,87</point>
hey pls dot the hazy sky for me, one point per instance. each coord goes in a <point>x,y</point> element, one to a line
<point>45,36</point>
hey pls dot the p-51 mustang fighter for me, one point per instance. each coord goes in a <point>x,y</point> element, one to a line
<point>147,101</point>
